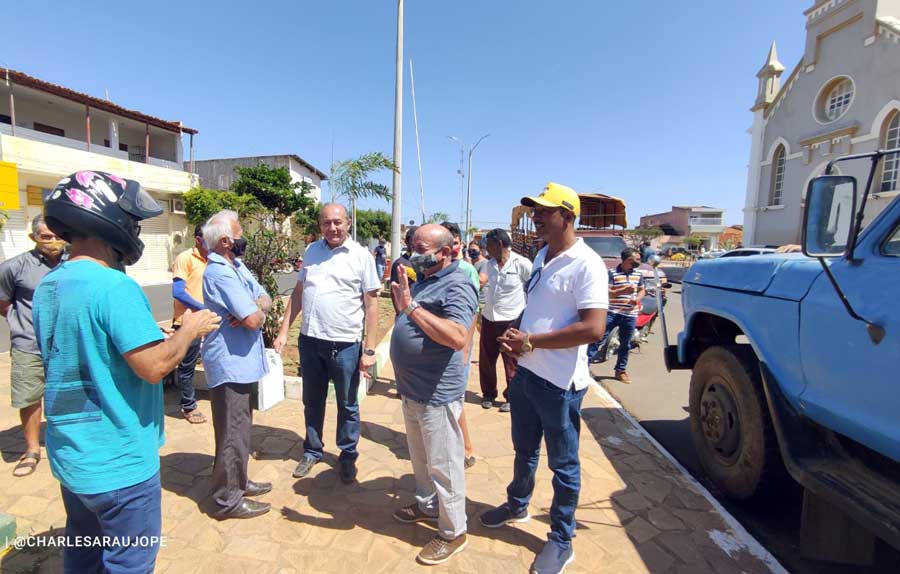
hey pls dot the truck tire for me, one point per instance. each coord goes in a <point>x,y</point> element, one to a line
<point>730,425</point>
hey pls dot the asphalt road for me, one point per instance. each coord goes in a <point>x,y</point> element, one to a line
<point>659,400</point>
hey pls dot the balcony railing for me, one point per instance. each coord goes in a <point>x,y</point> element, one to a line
<point>80,145</point>
<point>706,221</point>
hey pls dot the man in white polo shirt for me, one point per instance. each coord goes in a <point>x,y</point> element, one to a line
<point>337,289</point>
<point>565,310</point>
<point>504,300</point>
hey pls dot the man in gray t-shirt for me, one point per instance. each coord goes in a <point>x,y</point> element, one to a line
<point>431,333</point>
<point>19,277</point>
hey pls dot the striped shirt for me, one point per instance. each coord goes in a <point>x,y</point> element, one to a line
<point>622,304</point>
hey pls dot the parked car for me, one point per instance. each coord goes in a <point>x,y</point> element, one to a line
<point>713,253</point>
<point>670,251</point>
<point>747,251</point>
<point>794,363</point>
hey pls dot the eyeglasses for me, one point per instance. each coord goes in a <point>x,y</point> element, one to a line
<point>533,280</point>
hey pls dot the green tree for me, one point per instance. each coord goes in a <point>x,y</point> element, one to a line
<point>637,236</point>
<point>438,217</point>
<point>350,179</point>
<point>372,223</point>
<point>201,203</point>
<point>306,221</point>
<point>274,189</point>
<point>694,241</point>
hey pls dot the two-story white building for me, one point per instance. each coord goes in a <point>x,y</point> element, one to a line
<point>702,221</point>
<point>48,131</point>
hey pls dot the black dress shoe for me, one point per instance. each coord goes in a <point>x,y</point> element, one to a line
<point>304,466</point>
<point>348,471</point>
<point>246,509</point>
<point>257,488</point>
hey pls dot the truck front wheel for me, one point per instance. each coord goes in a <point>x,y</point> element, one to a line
<point>730,424</point>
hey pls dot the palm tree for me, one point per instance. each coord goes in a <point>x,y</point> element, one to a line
<point>350,179</point>
<point>438,217</point>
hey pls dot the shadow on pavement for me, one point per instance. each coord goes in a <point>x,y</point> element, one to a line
<point>12,442</point>
<point>38,559</point>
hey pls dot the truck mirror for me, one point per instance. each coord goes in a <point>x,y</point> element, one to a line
<point>828,219</point>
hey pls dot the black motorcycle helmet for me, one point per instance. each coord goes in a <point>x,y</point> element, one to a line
<point>103,205</point>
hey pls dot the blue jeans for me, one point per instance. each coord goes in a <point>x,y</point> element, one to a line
<point>131,514</point>
<point>379,268</point>
<point>321,361</point>
<point>626,324</point>
<point>541,409</point>
<point>184,376</point>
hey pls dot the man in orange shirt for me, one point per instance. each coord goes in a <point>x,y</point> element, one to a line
<point>187,291</point>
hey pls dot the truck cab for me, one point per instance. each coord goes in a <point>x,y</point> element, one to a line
<point>794,360</point>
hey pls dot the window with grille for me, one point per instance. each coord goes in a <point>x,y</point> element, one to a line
<point>838,100</point>
<point>778,164</point>
<point>891,162</point>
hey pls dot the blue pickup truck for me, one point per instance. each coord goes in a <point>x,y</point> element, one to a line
<point>796,370</point>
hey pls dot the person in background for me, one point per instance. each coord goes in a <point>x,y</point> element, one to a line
<point>469,269</point>
<point>187,293</point>
<point>380,258</point>
<point>104,357</point>
<point>404,257</point>
<point>508,273</point>
<point>626,289</point>
<point>647,252</point>
<point>428,350</point>
<point>565,311</point>
<point>338,291</point>
<point>480,263</point>
<point>19,277</point>
<point>234,359</point>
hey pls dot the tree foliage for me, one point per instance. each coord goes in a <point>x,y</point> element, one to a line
<point>694,241</point>
<point>438,217</point>
<point>350,178</point>
<point>201,203</point>
<point>274,189</point>
<point>372,224</point>
<point>635,237</point>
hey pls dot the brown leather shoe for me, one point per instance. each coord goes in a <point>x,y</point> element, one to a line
<point>439,550</point>
<point>623,377</point>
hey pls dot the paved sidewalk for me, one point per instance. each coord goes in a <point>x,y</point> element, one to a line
<point>638,513</point>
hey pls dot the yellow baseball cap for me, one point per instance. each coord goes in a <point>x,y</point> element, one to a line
<point>556,195</point>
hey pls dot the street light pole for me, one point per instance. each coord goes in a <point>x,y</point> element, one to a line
<point>396,211</point>
<point>461,173</point>
<point>469,192</point>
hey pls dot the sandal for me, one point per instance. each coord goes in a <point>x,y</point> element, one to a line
<point>194,417</point>
<point>27,464</point>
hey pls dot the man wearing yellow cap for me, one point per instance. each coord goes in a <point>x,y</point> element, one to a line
<point>565,310</point>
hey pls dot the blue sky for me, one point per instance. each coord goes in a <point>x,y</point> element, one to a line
<point>646,100</point>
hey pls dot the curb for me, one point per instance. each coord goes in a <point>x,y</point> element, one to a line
<point>742,537</point>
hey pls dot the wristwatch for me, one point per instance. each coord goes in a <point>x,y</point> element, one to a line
<point>527,347</point>
<point>410,308</point>
<point>369,352</point>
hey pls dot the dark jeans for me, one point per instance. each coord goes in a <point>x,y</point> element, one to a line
<point>541,409</point>
<point>626,324</point>
<point>321,361</point>
<point>232,420</point>
<point>132,514</point>
<point>184,377</point>
<point>487,359</point>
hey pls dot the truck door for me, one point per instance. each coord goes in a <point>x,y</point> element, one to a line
<point>853,384</point>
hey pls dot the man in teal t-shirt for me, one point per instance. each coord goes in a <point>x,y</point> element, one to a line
<point>104,357</point>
